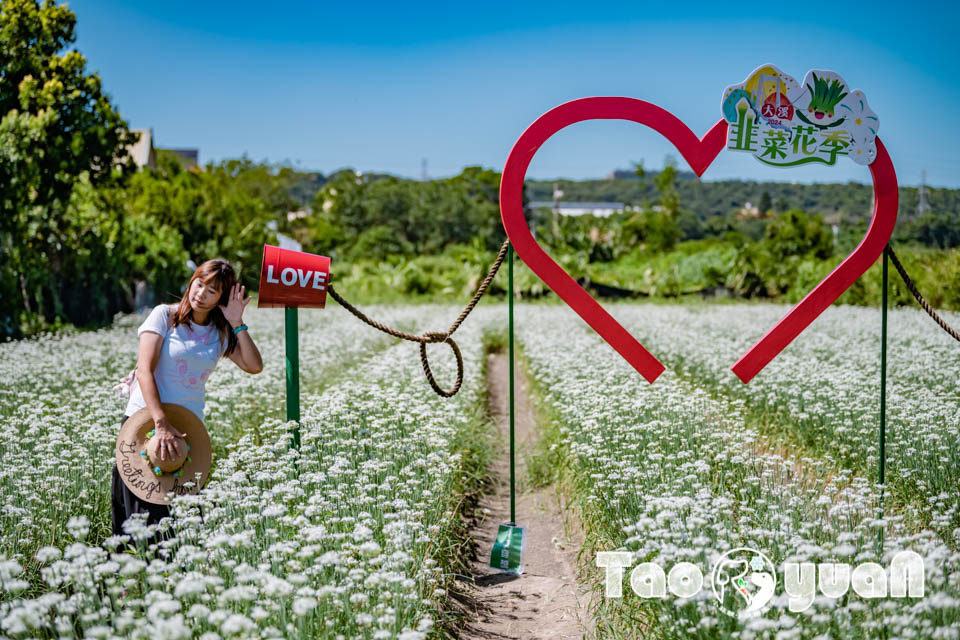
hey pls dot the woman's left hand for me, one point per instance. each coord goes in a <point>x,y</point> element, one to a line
<point>233,310</point>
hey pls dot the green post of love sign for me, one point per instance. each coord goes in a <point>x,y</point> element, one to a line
<point>507,552</point>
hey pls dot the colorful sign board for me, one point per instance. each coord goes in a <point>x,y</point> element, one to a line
<point>786,124</point>
<point>293,279</point>
<point>699,154</point>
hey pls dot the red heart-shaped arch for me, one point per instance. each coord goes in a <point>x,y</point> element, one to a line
<point>699,154</point>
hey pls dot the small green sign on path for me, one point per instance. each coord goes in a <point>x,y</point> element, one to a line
<point>507,551</point>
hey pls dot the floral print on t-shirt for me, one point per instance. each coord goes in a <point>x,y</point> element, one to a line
<point>189,378</point>
<point>199,349</point>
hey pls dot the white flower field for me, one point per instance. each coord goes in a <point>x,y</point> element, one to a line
<point>688,468</point>
<point>342,540</point>
<point>360,533</point>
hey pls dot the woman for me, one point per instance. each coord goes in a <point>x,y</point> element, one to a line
<point>180,345</point>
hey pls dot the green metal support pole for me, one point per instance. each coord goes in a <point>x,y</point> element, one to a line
<point>883,388</point>
<point>293,371</point>
<point>883,371</point>
<point>513,511</point>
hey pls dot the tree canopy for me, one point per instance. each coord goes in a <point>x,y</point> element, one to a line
<point>59,132</point>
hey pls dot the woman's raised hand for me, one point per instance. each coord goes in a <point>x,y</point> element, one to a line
<point>233,310</point>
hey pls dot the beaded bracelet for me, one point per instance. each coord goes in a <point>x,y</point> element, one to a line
<point>240,328</point>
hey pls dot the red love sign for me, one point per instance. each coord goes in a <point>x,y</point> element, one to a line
<point>292,278</point>
<point>699,154</point>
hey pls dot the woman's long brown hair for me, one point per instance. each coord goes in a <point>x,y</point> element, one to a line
<point>220,272</point>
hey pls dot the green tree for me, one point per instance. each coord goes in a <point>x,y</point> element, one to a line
<point>665,183</point>
<point>656,229</point>
<point>483,187</point>
<point>220,211</point>
<point>795,233</point>
<point>57,127</point>
<point>939,230</point>
<point>766,202</point>
<point>770,267</point>
<point>422,217</point>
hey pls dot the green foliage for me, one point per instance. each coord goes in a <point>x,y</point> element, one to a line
<point>935,272</point>
<point>794,233</point>
<point>794,253</point>
<point>664,182</point>
<point>938,230</point>
<point>769,268</point>
<point>79,228</point>
<point>354,216</point>
<point>593,238</point>
<point>379,243</point>
<point>766,202</point>
<point>453,275</point>
<point>789,240</point>
<point>713,201</point>
<point>154,255</point>
<point>652,230</point>
<point>221,211</point>
<point>58,130</point>
<point>690,267</point>
<point>303,186</point>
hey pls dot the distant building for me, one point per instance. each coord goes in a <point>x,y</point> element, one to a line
<point>142,151</point>
<point>750,211</point>
<point>601,209</point>
<point>145,154</point>
<point>189,158</point>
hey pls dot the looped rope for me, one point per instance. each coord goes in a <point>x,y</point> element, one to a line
<point>916,294</point>
<point>433,337</point>
<point>426,365</point>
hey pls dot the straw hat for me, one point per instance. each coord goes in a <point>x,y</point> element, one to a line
<point>139,463</point>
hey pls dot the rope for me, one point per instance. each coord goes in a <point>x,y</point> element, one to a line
<point>916,294</point>
<point>433,337</point>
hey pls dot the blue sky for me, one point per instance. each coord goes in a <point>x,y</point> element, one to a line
<point>382,86</point>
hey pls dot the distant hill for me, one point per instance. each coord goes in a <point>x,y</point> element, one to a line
<point>304,185</point>
<point>836,202</point>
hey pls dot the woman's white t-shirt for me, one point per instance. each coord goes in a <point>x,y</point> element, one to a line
<point>188,356</point>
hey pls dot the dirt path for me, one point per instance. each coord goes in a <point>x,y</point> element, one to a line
<point>543,602</point>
